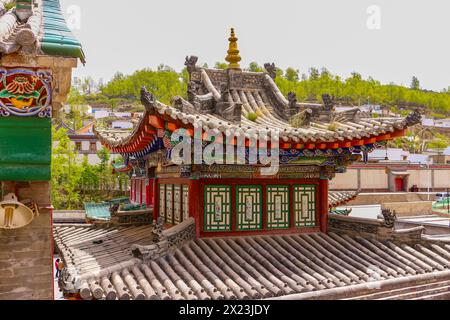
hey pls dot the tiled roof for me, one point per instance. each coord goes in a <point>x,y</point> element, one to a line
<point>230,268</point>
<point>338,198</point>
<point>37,27</point>
<point>328,127</point>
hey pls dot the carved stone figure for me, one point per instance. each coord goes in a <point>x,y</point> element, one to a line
<point>157,230</point>
<point>190,63</point>
<point>413,118</point>
<point>293,107</point>
<point>192,91</point>
<point>328,102</point>
<point>271,70</point>
<point>390,216</point>
<point>147,99</point>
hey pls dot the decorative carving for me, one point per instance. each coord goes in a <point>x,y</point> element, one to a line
<point>180,234</point>
<point>301,119</point>
<point>328,102</point>
<point>158,229</point>
<point>233,56</point>
<point>293,107</point>
<point>182,105</point>
<point>224,92</point>
<point>352,226</point>
<point>389,216</point>
<point>271,70</point>
<point>413,118</point>
<point>25,93</point>
<point>348,115</point>
<point>190,63</point>
<point>148,100</point>
<point>230,112</point>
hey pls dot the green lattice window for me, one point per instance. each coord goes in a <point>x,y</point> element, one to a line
<point>277,207</point>
<point>162,201</point>
<point>169,204</point>
<point>305,205</point>
<point>185,202</point>
<point>217,208</point>
<point>177,204</point>
<point>248,208</point>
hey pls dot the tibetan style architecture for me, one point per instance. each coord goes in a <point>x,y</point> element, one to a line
<point>37,55</point>
<point>228,197</point>
<point>230,231</point>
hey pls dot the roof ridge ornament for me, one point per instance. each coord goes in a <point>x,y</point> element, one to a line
<point>148,100</point>
<point>271,70</point>
<point>233,57</point>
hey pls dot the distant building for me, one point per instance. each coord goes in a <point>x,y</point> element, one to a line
<point>84,109</point>
<point>121,124</point>
<point>86,142</point>
<point>436,123</point>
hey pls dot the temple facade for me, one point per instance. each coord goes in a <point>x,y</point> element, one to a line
<point>241,158</point>
<point>37,55</point>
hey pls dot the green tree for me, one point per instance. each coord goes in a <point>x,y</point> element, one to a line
<point>291,74</point>
<point>221,65</point>
<point>254,67</point>
<point>415,84</point>
<point>313,74</point>
<point>66,173</point>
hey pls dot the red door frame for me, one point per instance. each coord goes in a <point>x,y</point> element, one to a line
<point>399,184</point>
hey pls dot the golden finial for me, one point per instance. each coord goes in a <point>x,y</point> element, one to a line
<point>233,56</point>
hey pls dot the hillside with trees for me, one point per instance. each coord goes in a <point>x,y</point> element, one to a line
<point>165,83</point>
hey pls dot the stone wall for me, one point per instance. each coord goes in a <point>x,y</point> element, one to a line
<point>416,208</point>
<point>373,178</point>
<point>26,257</point>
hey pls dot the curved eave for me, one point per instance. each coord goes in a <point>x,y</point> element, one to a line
<point>339,198</point>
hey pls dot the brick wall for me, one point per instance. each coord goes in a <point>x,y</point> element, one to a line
<point>26,266</point>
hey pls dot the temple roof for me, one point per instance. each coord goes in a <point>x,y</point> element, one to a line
<point>248,103</point>
<point>36,27</point>
<point>244,267</point>
<point>319,131</point>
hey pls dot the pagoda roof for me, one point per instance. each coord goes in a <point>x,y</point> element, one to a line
<point>36,28</point>
<point>248,104</point>
<point>312,127</point>
<point>101,264</point>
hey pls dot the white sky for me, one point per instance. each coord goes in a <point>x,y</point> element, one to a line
<point>129,35</point>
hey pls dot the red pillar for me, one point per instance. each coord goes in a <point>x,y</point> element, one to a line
<point>196,203</point>
<point>156,199</point>
<point>323,205</point>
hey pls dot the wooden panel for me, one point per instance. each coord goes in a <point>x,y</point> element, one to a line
<point>305,205</point>
<point>217,208</point>
<point>177,204</point>
<point>277,207</point>
<point>185,206</point>
<point>248,208</point>
<point>169,204</point>
<point>162,201</point>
